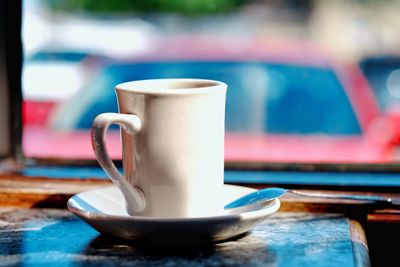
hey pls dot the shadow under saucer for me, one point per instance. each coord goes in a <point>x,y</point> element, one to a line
<point>160,243</point>
<point>167,250</point>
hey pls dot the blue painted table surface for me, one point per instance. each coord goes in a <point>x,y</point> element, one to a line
<point>55,237</point>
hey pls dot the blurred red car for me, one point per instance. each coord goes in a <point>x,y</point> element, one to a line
<point>286,102</point>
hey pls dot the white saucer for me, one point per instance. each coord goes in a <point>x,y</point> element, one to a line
<point>104,210</point>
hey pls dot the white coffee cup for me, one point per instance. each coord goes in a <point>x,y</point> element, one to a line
<point>172,145</point>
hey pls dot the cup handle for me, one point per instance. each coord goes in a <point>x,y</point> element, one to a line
<point>131,124</point>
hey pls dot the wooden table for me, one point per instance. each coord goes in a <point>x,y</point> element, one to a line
<point>56,237</point>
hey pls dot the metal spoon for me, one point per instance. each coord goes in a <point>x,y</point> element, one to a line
<point>269,194</point>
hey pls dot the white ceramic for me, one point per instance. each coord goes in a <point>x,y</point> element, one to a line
<point>172,142</point>
<point>104,209</point>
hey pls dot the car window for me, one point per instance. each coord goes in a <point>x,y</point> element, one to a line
<point>383,74</point>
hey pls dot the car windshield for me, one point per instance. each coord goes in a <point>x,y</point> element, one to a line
<point>262,97</point>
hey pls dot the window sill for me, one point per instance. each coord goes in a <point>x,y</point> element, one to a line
<point>25,191</point>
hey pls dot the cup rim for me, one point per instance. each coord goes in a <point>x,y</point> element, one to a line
<point>160,86</point>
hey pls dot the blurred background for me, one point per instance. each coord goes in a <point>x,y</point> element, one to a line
<point>310,81</point>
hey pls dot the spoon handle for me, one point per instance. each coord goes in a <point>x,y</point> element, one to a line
<point>375,199</point>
